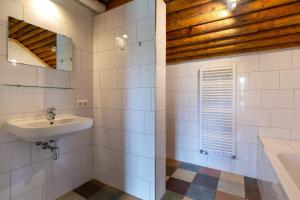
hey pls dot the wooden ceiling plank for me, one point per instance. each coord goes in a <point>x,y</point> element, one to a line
<point>17,26</point>
<point>23,31</point>
<point>30,34</point>
<point>259,16</point>
<point>236,39</point>
<point>176,5</point>
<point>38,37</point>
<point>252,28</point>
<point>202,9</point>
<point>52,62</point>
<point>255,49</point>
<point>52,57</point>
<point>12,21</point>
<point>220,14</point>
<point>44,48</point>
<point>45,54</point>
<point>42,43</point>
<point>115,3</point>
<point>244,45</point>
<point>196,10</point>
<point>270,3</point>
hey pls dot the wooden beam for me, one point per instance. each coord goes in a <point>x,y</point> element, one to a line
<point>236,47</point>
<point>12,21</point>
<point>199,10</point>
<point>232,22</point>
<point>23,31</point>
<point>52,57</point>
<point>30,34</point>
<point>17,26</point>
<point>38,37</point>
<point>42,42</point>
<point>219,14</point>
<point>52,62</point>
<point>115,3</point>
<point>237,39</point>
<point>45,54</point>
<point>44,48</point>
<point>265,48</point>
<point>176,5</point>
<point>252,28</point>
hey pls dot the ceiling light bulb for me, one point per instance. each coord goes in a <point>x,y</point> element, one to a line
<point>224,13</point>
<point>125,36</point>
<point>53,48</point>
<point>231,4</point>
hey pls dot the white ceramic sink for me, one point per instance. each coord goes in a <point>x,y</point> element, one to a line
<point>40,129</point>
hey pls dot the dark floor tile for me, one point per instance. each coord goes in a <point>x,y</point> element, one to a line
<point>198,192</point>
<point>251,189</point>
<point>177,186</point>
<point>170,170</point>
<point>191,167</point>
<point>173,163</point>
<point>225,196</point>
<point>210,172</point>
<point>88,189</point>
<point>107,193</point>
<point>206,181</point>
<point>250,182</point>
<point>172,196</point>
<point>128,197</point>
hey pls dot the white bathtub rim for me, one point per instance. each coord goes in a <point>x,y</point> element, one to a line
<point>272,148</point>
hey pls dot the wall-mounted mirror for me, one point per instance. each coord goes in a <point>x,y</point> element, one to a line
<point>32,45</point>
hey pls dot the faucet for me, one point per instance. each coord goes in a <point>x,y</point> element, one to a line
<point>52,146</point>
<point>50,113</point>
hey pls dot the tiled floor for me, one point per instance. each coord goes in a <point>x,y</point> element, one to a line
<point>94,190</point>
<point>186,181</point>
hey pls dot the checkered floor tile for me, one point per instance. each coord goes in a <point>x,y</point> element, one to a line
<point>187,181</point>
<point>184,182</point>
<point>94,190</point>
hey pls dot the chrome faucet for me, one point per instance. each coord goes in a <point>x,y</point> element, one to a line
<point>50,113</point>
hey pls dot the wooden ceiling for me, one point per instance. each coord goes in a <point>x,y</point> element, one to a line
<point>199,29</point>
<point>110,4</point>
<point>40,42</point>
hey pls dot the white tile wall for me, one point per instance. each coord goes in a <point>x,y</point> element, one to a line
<point>27,178</point>
<point>289,79</point>
<point>5,186</point>
<point>57,187</point>
<point>276,60</point>
<point>27,172</point>
<point>264,80</point>
<point>15,154</point>
<point>267,103</point>
<point>34,194</point>
<point>66,164</point>
<point>124,95</point>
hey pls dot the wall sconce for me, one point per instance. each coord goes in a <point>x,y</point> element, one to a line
<point>121,43</point>
<point>231,4</point>
<point>122,47</point>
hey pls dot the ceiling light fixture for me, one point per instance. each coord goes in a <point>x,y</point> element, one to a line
<point>53,49</point>
<point>231,4</point>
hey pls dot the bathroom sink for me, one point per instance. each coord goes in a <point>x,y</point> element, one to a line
<point>41,129</point>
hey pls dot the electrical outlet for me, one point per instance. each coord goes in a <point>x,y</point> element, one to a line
<point>82,103</point>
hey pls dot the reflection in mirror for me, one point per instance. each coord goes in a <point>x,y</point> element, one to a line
<point>32,45</point>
